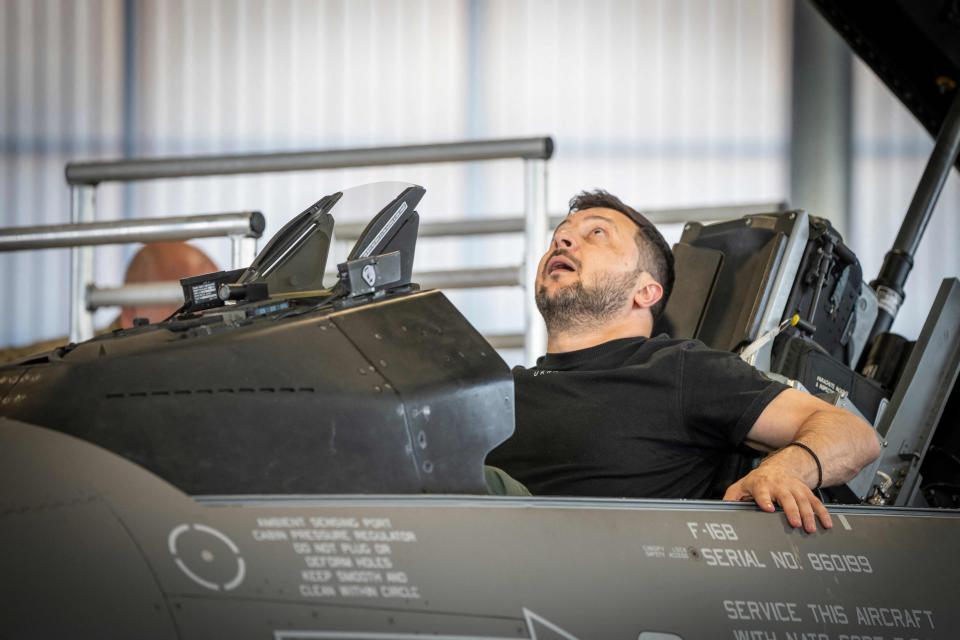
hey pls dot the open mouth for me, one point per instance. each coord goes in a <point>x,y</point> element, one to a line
<point>559,264</point>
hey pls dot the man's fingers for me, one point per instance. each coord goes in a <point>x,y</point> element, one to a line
<point>763,499</point>
<point>799,504</point>
<point>790,508</point>
<point>823,514</point>
<point>806,511</point>
<point>734,493</point>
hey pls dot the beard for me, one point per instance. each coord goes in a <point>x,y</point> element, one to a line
<point>576,306</point>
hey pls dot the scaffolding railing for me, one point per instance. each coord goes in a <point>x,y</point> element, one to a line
<point>534,152</point>
<point>349,231</point>
<point>171,292</point>
<point>534,223</point>
<point>239,226</point>
<point>483,277</point>
<point>242,228</point>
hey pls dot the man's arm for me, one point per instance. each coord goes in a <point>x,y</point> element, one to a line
<point>843,443</point>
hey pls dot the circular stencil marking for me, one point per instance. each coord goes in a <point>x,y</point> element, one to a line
<point>207,556</point>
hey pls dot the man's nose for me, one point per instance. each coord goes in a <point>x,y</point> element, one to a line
<point>563,240</point>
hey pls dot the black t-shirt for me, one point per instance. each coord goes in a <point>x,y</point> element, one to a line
<point>634,417</point>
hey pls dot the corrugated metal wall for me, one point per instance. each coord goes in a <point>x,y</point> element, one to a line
<point>60,79</point>
<point>664,102</point>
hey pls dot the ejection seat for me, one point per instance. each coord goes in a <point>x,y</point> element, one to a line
<point>737,281</point>
<point>733,278</point>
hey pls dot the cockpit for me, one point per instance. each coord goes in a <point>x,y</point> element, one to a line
<point>366,384</point>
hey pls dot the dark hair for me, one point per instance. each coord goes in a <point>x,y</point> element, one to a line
<point>656,258</point>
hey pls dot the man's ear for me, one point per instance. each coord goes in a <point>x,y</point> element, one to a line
<point>648,292</point>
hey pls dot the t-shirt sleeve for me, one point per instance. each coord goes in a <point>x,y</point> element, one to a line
<point>721,395</point>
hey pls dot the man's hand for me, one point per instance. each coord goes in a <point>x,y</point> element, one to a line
<point>842,442</point>
<point>769,484</point>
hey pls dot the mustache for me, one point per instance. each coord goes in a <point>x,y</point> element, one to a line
<point>560,252</point>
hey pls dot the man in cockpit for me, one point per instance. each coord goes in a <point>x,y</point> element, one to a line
<point>611,411</point>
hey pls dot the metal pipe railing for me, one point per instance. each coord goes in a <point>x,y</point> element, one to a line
<point>92,173</point>
<point>478,278</point>
<point>84,177</point>
<point>534,223</point>
<point>171,292</point>
<point>506,340</point>
<point>509,276</point>
<point>535,238</point>
<point>83,206</point>
<point>348,231</point>
<point>134,295</point>
<point>506,276</point>
<point>249,224</point>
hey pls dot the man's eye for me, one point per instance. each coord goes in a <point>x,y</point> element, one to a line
<point>598,231</point>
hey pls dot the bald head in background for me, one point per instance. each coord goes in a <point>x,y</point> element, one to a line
<point>162,262</point>
<point>157,262</point>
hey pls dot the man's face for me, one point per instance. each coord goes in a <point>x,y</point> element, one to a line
<point>590,270</point>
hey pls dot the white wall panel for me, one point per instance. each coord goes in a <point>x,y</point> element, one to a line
<point>61,99</point>
<point>220,77</point>
<point>696,91</point>
<point>890,152</point>
<point>664,102</point>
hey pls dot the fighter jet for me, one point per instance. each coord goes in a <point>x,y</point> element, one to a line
<point>287,457</point>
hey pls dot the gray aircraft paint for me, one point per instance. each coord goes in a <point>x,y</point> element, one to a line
<point>91,532</point>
